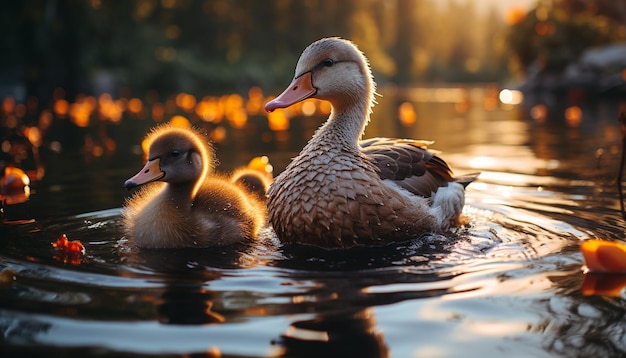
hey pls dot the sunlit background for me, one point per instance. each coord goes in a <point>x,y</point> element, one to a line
<point>72,70</point>
<point>527,92</point>
<point>92,64</point>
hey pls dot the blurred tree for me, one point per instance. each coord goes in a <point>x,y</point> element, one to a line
<point>406,39</point>
<point>555,34</point>
<point>211,46</point>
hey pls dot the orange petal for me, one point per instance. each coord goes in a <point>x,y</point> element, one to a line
<point>604,256</point>
<point>61,242</point>
<point>76,247</point>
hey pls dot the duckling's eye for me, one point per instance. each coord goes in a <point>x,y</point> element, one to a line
<point>328,62</point>
<point>175,153</point>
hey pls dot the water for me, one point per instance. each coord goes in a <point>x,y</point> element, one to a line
<point>508,283</point>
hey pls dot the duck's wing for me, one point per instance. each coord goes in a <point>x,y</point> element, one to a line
<point>408,163</point>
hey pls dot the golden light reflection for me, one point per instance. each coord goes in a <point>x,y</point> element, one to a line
<point>511,97</point>
<point>308,108</point>
<point>255,103</point>
<point>80,113</point>
<point>212,109</point>
<point>262,164</point>
<point>218,135</point>
<point>324,108</point>
<point>135,105</point>
<point>573,116</point>
<point>34,135</point>
<point>406,113</point>
<point>277,120</point>
<point>180,121</point>
<point>8,104</point>
<point>61,107</point>
<point>186,101</point>
<point>209,110</point>
<point>539,113</point>
<point>238,118</point>
<point>158,112</point>
<point>515,16</point>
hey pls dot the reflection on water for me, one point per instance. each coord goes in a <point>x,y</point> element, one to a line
<point>509,282</point>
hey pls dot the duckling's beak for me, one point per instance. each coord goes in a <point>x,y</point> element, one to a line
<point>300,89</point>
<point>150,172</point>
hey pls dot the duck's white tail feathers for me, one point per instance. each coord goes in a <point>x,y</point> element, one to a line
<point>447,204</point>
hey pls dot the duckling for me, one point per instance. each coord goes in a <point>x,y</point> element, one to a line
<point>252,181</point>
<point>185,204</point>
<point>256,177</point>
<point>340,192</point>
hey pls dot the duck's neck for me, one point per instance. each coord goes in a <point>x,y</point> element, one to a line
<point>181,194</point>
<point>345,125</point>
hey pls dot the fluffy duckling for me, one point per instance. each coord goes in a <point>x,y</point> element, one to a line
<point>255,177</point>
<point>187,206</point>
<point>253,181</point>
<point>339,192</point>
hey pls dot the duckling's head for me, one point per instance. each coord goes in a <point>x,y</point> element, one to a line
<point>331,69</point>
<point>177,156</point>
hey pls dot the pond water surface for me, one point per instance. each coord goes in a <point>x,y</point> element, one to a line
<point>508,283</point>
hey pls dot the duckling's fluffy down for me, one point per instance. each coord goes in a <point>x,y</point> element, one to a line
<point>187,205</point>
<point>222,214</point>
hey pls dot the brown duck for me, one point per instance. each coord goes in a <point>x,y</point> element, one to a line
<point>339,191</point>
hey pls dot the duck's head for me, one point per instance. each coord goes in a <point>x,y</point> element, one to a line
<point>175,156</point>
<point>330,69</point>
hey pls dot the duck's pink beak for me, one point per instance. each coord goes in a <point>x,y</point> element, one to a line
<point>150,172</point>
<point>300,89</point>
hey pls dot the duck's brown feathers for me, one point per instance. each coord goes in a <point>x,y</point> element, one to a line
<point>408,163</point>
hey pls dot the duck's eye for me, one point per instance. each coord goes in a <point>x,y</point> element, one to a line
<point>175,153</point>
<point>328,62</point>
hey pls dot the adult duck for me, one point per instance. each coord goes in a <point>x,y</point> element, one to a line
<point>339,192</point>
<point>186,205</point>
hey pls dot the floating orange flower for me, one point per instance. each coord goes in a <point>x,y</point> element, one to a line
<point>68,251</point>
<point>602,256</point>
